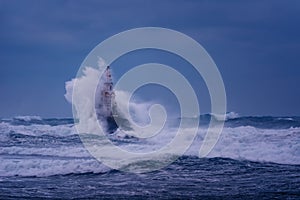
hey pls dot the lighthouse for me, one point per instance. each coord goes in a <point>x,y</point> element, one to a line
<point>107,102</point>
<point>107,94</point>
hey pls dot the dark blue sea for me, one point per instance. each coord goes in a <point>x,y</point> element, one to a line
<point>255,158</point>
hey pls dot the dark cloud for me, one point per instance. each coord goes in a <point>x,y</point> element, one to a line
<point>254,43</point>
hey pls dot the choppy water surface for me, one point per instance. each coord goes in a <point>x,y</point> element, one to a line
<point>256,157</point>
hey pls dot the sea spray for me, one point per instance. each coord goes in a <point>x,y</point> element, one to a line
<point>126,110</point>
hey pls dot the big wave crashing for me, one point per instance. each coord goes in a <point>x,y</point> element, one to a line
<point>32,146</point>
<point>45,150</point>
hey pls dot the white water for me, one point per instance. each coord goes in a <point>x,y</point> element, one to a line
<point>241,143</point>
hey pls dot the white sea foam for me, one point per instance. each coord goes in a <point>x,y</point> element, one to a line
<point>245,142</point>
<point>254,144</point>
<point>59,151</point>
<point>248,143</point>
<point>37,166</point>
<point>28,118</point>
<point>36,129</point>
<point>229,115</point>
<point>240,143</point>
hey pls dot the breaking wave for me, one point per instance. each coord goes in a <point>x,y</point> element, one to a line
<point>32,146</point>
<point>45,150</point>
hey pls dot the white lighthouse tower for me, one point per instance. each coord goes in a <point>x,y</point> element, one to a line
<point>106,103</point>
<point>107,95</point>
<point>106,106</point>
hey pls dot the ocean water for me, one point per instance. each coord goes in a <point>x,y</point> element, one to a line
<point>255,158</point>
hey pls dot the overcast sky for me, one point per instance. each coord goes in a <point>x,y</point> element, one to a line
<point>255,45</point>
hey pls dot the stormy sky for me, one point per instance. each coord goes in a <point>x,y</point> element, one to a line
<point>255,45</point>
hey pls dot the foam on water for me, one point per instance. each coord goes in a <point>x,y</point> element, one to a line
<point>36,129</point>
<point>28,118</point>
<point>255,144</point>
<point>47,166</point>
<point>229,115</point>
<point>36,154</point>
<point>241,143</point>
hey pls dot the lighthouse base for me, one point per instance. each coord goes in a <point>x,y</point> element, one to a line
<point>112,125</point>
